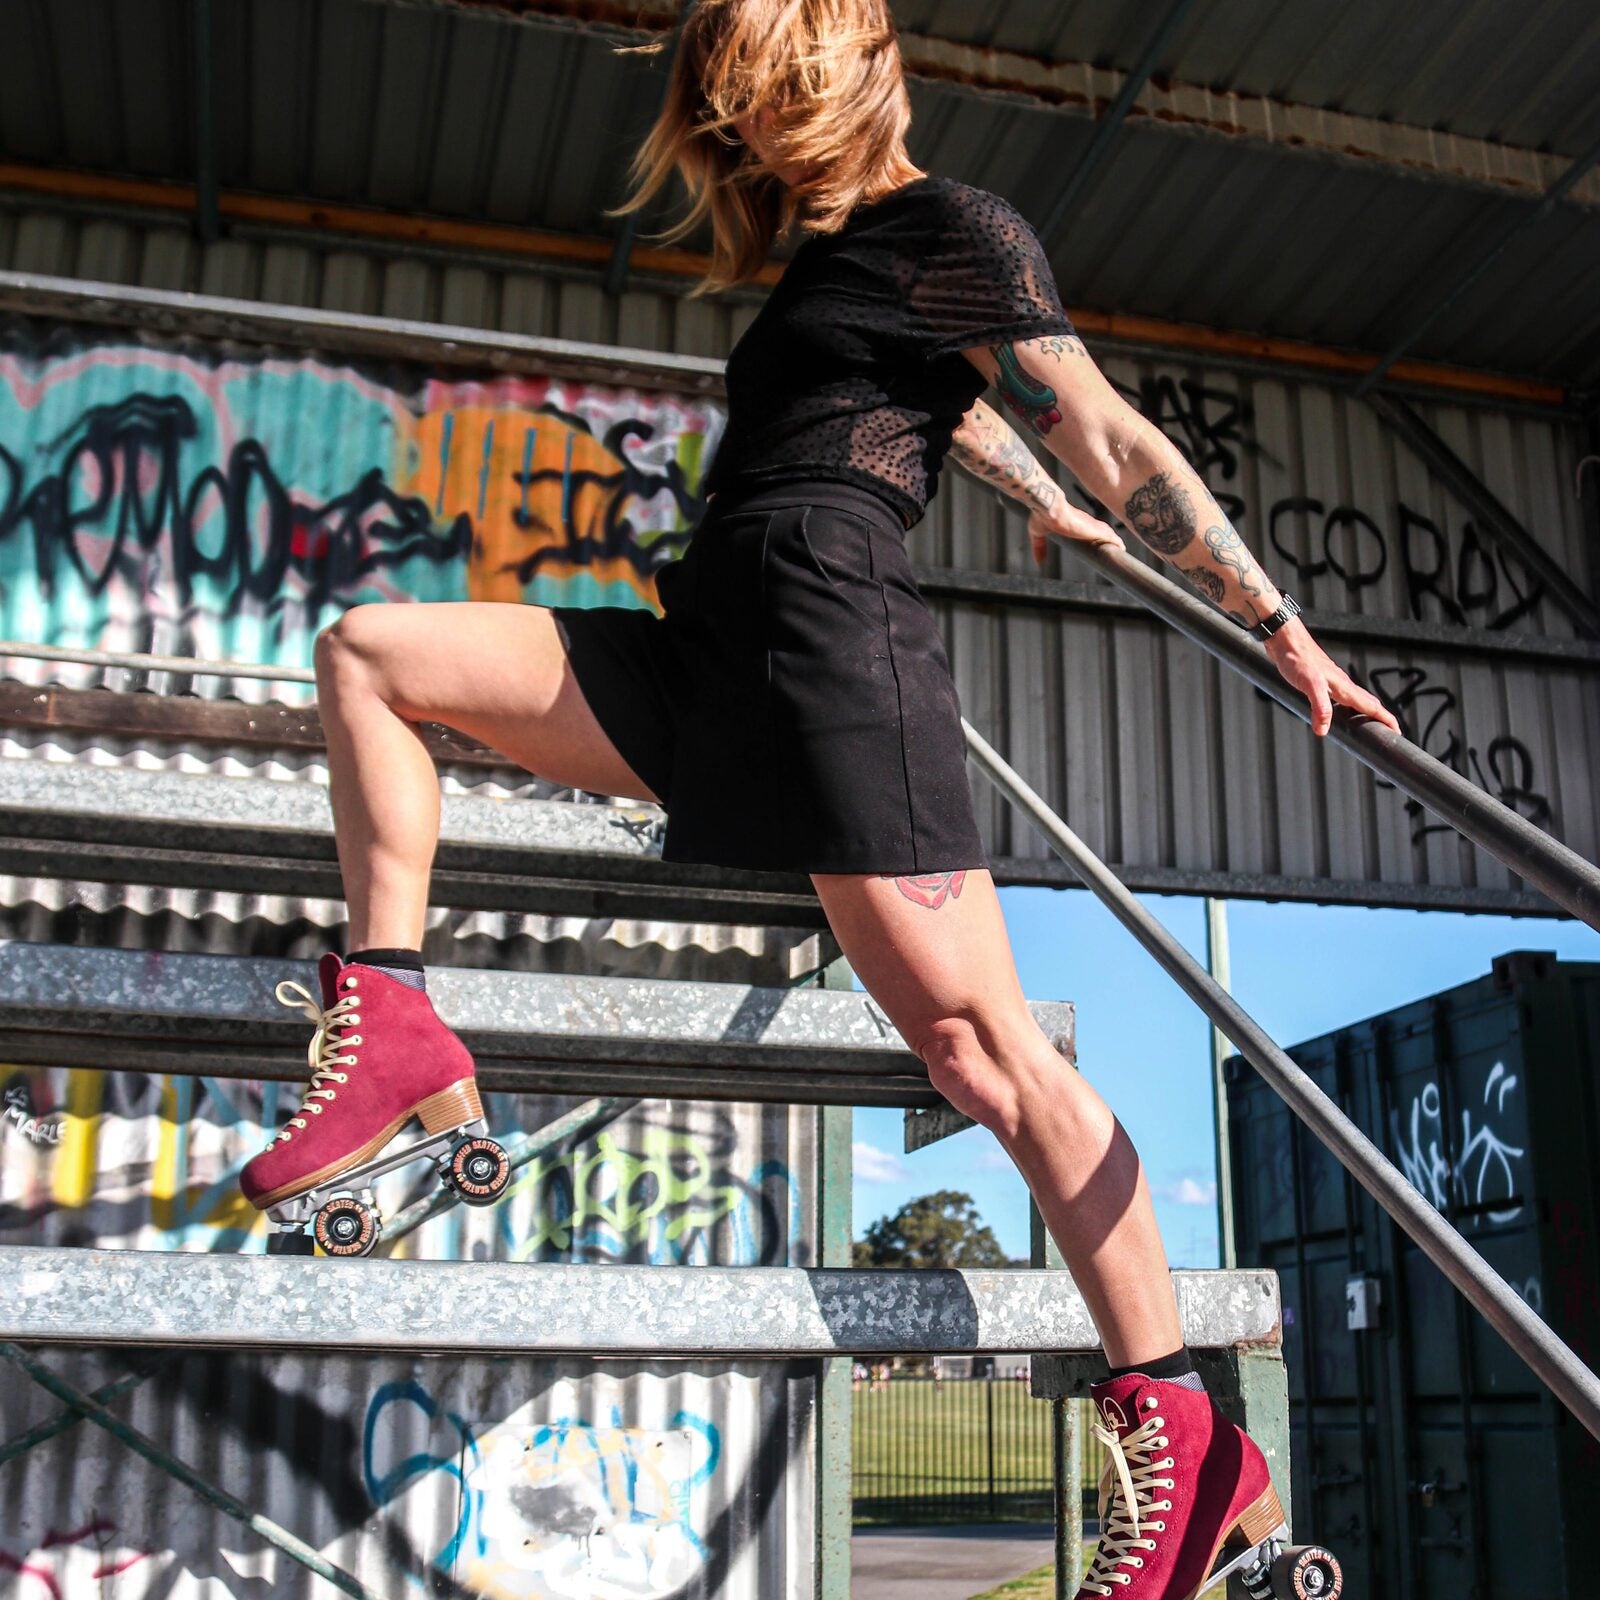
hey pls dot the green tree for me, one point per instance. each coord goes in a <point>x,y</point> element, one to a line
<point>936,1230</point>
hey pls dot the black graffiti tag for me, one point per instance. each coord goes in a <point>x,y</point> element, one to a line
<point>1504,770</point>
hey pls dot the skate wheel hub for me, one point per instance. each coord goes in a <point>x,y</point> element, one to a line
<point>345,1227</point>
<point>479,1170</point>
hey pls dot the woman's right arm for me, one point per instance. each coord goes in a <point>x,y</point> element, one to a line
<point>1126,462</point>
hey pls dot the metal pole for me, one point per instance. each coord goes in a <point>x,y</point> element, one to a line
<point>142,1444</point>
<point>1562,874</point>
<point>988,1406</point>
<point>580,1122</point>
<point>137,662</point>
<point>1577,1388</point>
<point>1116,114</point>
<point>1067,1475</point>
<point>1217,966</point>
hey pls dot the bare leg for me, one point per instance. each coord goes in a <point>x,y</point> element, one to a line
<point>946,979</point>
<point>494,672</point>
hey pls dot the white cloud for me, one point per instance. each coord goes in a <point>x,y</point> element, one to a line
<point>1187,1191</point>
<point>994,1161</point>
<point>873,1165</point>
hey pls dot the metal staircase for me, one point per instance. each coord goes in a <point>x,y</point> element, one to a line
<point>215,1016</point>
<point>211,1015</point>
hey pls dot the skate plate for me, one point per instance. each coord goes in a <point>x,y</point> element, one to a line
<point>341,1213</point>
<point>1277,1570</point>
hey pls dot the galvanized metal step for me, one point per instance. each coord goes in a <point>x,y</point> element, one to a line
<point>217,1016</point>
<point>465,1308</point>
<point>272,836</point>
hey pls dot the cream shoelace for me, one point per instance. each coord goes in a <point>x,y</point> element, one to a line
<point>1127,1483</point>
<point>324,1053</point>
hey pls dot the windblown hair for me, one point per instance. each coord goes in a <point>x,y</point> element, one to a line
<point>829,69</point>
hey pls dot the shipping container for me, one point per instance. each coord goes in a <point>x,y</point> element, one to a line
<point>1424,1451</point>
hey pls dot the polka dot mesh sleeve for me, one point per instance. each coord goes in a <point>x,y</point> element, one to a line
<point>985,278</point>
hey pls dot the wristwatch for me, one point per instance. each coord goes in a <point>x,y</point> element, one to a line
<point>1268,626</point>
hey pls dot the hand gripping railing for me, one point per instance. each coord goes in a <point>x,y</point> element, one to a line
<point>1561,873</point>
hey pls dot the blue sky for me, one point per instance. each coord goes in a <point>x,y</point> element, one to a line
<point>1300,970</point>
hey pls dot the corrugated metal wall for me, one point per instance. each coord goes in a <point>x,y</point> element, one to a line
<point>1172,768</point>
<point>1165,763</point>
<point>491,1478</point>
<point>496,1480</point>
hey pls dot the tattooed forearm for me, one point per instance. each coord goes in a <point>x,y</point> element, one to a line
<point>991,450</point>
<point>1030,396</point>
<point>1162,514</point>
<point>1206,581</point>
<point>929,889</point>
<point>1229,550</point>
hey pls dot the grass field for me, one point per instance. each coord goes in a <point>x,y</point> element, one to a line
<point>950,1452</point>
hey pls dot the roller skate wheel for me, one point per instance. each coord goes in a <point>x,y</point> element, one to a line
<point>1306,1572</point>
<point>290,1242</point>
<point>480,1169</point>
<point>345,1227</point>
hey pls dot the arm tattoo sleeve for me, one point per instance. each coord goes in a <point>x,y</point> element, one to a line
<point>988,449</point>
<point>1161,513</point>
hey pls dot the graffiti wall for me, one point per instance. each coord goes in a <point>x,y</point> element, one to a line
<point>188,500</point>
<point>499,1479</point>
<point>491,1479</point>
<point>128,1160</point>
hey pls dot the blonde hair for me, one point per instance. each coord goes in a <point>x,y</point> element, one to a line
<point>831,72</point>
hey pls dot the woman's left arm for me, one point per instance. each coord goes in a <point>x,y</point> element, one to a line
<point>1127,463</point>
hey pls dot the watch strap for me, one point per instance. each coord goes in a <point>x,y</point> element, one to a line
<point>1268,626</point>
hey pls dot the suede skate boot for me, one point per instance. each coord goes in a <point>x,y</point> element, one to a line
<point>1180,1483</point>
<point>379,1056</point>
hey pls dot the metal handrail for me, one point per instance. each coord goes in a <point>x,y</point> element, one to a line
<point>1569,880</point>
<point>1572,1383</point>
<point>1561,873</point>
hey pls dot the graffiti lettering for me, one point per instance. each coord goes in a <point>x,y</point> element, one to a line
<point>1482,1171</point>
<point>1505,769</point>
<point>19,1110</point>
<point>50,1563</point>
<point>559,1507</point>
<point>198,501</point>
<point>672,1201</point>
<point>1425,559</point>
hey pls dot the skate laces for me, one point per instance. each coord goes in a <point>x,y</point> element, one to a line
<point>325,1053</point>
<point>1127,1484</point>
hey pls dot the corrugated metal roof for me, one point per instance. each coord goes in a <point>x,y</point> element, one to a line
<point>466,111</point>
<point>1525,74</point>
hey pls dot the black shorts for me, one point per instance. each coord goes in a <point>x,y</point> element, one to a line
<point>792,707</point>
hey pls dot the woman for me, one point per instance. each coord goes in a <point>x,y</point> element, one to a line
<point>792,707</point>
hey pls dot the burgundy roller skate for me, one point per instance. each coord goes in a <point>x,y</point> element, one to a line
<point>1186,1502</point>
<point>379,1057</point>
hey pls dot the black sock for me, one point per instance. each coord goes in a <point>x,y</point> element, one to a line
<point>1168,1369</point>
<point>403,965</point>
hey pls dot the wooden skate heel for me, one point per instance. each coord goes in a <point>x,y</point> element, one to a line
<point>451,1107</point>
<point>1262,1519</point>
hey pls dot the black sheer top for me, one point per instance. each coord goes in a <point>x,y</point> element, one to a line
<point>852,369</point>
